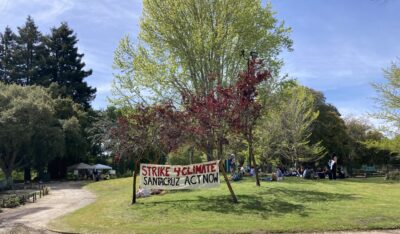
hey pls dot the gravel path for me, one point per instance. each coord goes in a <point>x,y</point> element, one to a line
<point>64,198</point>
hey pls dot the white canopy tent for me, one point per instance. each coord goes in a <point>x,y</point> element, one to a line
<point>80,166</point>
<point>101,167</point>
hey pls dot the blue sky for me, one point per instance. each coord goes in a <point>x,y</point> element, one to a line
<point>340,46</point>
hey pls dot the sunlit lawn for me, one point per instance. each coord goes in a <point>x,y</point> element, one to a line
<point>289,206</point>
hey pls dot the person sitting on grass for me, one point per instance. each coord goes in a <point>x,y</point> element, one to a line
<point>143,193</point>
<point>308,173</point>
<point>320,173</point>
<point>300,171</point>
<point>279,174</point>
<point>341,174</point>
<point>236,176</point>
<point>242,171</point>
<point>274,177</point>
<point>252,171</point>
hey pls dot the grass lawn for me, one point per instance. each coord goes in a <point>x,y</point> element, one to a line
<point>290,206</point>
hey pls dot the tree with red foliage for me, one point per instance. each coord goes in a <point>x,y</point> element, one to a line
<point>246,110</point>
<point>134,134</point>
<point>173,125</point>
<point>210,116</point>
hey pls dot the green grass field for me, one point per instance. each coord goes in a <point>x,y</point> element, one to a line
<point>290,206</point>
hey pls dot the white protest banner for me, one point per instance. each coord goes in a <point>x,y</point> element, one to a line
<point>202,175</point>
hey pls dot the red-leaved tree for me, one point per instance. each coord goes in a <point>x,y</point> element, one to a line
<point>210,118</point>
<point>246,109</point>
<point>135,134</point>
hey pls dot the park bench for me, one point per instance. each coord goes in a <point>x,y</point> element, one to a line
<point>367,171</point>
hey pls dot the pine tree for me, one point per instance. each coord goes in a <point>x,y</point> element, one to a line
<point>65,65</point>
<point>8,45</point>
<point>29,54</point>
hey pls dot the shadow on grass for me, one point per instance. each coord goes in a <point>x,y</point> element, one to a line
<point>308,196</point>
<point>273,202</point>
<point>248,204</point>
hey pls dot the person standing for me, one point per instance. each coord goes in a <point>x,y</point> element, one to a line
<point>334,167</point>
<point>233,164</point>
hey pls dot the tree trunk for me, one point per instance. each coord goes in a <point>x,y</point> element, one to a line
<point>228,183</point>
<point>27,174</point>
<point>209,152</point>
<point>134,182</point>
<point>191,154</point>
<point>220,150</point>
<point>222,169</point>
<point>251,156</point>
<point>9,179</point>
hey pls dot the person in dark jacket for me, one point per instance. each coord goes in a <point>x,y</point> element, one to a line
<point>334,167</point>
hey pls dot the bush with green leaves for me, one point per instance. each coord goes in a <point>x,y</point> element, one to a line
<point>11,201</point>
<point>393,175</point>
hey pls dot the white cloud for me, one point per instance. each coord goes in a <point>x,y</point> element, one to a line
<point>45,11</point>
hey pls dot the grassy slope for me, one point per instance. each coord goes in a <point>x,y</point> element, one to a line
<point>292,205</point>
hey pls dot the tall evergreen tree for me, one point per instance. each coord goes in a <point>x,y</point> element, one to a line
<point>8,46</point>
<point>66,67</point>
<point>29,54</point>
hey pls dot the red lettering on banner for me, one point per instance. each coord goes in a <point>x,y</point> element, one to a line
<point>213,168</point>
<point>184,171</point>
<point>161,171</point>
<point>144,171</point>
<point>177,170</point>
<point>199,169</point>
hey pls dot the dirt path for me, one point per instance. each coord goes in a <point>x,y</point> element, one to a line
<point>64,197</point>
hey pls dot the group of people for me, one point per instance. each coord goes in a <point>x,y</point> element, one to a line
<point>331,170</point>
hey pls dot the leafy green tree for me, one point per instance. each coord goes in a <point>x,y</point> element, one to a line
<point>74,141</point>
<point>369,146</point>
<point>187,154</point>
<point>47,143</point>
<point>288,129</point>
<point>99,134</point>
<point>65,67</point>
<point>26,118</point>
<point>389,97</point>
<point>388,150</point>
<point>74,121</point>
<point>8,45</point>
<point>192,46</point>
<point>330,129</point>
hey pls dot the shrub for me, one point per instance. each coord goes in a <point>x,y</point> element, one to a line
<point>393,175</point>
<point>11,202</point>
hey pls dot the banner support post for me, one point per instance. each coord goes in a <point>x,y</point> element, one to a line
<point>222,168</point>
